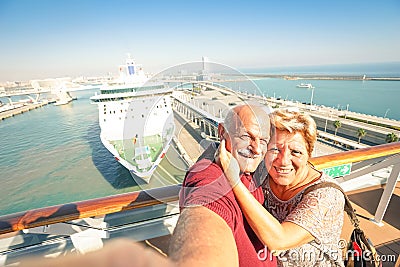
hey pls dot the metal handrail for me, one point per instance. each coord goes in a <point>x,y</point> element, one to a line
<point>87,208</point>
<point>116,203</point>
<point>352,156</point>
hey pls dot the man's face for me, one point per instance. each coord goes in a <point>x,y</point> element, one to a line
<point>248,140</point>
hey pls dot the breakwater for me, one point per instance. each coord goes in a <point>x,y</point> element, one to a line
<point>323,77</point>
<point>21,109</point>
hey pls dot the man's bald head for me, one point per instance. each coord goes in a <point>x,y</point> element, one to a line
<point>246,131</point>
<point>238,115</point>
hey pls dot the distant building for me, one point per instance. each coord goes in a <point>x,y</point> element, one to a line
<point>204,74</point>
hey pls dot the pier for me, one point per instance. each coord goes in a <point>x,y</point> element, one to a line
<point>59,87</point>
<point>209,100</point>
<point>21,109</point>
<point>324,77</point>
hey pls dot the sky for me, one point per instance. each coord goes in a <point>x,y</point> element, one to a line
<point>48,39</point>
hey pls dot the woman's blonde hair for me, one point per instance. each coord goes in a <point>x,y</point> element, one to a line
<point>294,121</point>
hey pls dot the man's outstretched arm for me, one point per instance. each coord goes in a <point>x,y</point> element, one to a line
<point>202,238</point>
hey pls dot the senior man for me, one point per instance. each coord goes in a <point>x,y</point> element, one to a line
<point>212,230</point>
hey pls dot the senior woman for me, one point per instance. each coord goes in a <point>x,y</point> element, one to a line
<point>302,230</point>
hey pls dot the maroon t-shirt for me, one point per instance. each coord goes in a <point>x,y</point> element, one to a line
<point>206,185</point>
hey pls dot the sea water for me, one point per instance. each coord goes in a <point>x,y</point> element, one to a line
<point>379,98</point>
<point>53,154</point>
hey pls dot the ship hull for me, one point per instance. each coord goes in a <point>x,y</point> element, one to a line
<point>138,130</point>
<point>136,119</point>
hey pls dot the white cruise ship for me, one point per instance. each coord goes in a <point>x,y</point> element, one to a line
<point>136,119</point>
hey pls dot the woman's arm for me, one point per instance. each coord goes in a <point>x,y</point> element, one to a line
<point>274,235</point>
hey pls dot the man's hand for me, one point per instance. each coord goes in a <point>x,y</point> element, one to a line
<point>228,163</point>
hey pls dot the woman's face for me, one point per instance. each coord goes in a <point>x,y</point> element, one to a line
<point>286,158</point>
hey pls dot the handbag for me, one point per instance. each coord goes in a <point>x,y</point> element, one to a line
<point>360,252</point>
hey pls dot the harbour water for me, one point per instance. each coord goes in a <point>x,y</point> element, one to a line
<point>379,98</point>
<point>53,155</point>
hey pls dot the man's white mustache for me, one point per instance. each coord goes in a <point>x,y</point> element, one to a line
<point>248,153</point>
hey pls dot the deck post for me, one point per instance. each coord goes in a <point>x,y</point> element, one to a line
<point>386,195</point>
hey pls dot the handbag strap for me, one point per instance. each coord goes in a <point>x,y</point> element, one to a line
<point>348,208</point>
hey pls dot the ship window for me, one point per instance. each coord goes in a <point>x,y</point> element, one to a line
<point>142,115</point>
<point>105,113</point>
<point>104,120</point>
<point>121,110</point>
<point>114,111</point>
